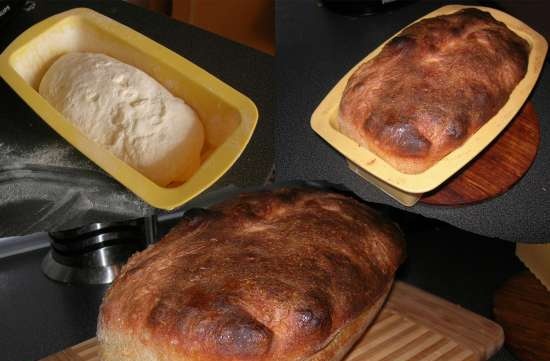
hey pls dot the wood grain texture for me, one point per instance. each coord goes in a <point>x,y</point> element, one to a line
<point>522,307</point>
<point>249,22</point>
<point>413,326</point>
<point>482,336</point>
<point>497,168</point>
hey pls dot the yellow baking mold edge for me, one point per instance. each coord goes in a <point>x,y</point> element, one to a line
<point>407,188</point>
<point>161,62</point>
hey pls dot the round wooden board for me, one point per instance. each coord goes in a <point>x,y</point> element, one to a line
<point>522,308</point>
<point>497,168</point>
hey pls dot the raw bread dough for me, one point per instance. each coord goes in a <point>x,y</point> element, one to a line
<point>128,112</point>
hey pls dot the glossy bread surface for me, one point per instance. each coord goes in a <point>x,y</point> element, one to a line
<point>267,276</point>
<point>433,86</point>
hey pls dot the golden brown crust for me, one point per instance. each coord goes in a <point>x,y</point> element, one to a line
<point>432,86</point>
<point>342,343</point>
<point>119,346</point>
<point>267,276</point>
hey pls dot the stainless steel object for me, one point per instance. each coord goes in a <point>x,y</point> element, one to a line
<point>95,253</point>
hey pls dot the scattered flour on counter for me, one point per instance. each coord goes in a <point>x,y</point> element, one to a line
<point>62,155</point>
<point>61,200</point>
<point>120,202</point>
<point>81,192</point>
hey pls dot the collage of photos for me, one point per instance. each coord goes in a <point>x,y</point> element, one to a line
<point>274,180</point>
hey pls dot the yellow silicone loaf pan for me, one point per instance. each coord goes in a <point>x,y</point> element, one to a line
<point>229,117</point>
<point>407,188</point>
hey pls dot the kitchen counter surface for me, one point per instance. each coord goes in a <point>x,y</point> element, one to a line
<point>316,47</point>
<point>55,187</point>
<point>39,317</point>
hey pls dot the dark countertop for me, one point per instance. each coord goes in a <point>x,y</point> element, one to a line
<point>40,317</point>
<point>55,187</point>
<point>316,47</point>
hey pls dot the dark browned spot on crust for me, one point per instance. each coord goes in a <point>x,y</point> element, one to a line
<point>313,316</point>
<point>402,43</point>
<point>406,139</point>
<point>242,337</point>
<point>457,127</point>
<point>457,30</point>
<point>211,320</point>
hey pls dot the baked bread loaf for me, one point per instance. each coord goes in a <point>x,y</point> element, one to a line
<point>129,113</point>
<point>288,275</point>
<point>431,87</point>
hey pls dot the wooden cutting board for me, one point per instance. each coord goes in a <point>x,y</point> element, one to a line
<point>413,326</point>
<point>497,168</point>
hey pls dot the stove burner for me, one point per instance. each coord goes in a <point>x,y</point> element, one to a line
<point>95,253</point>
